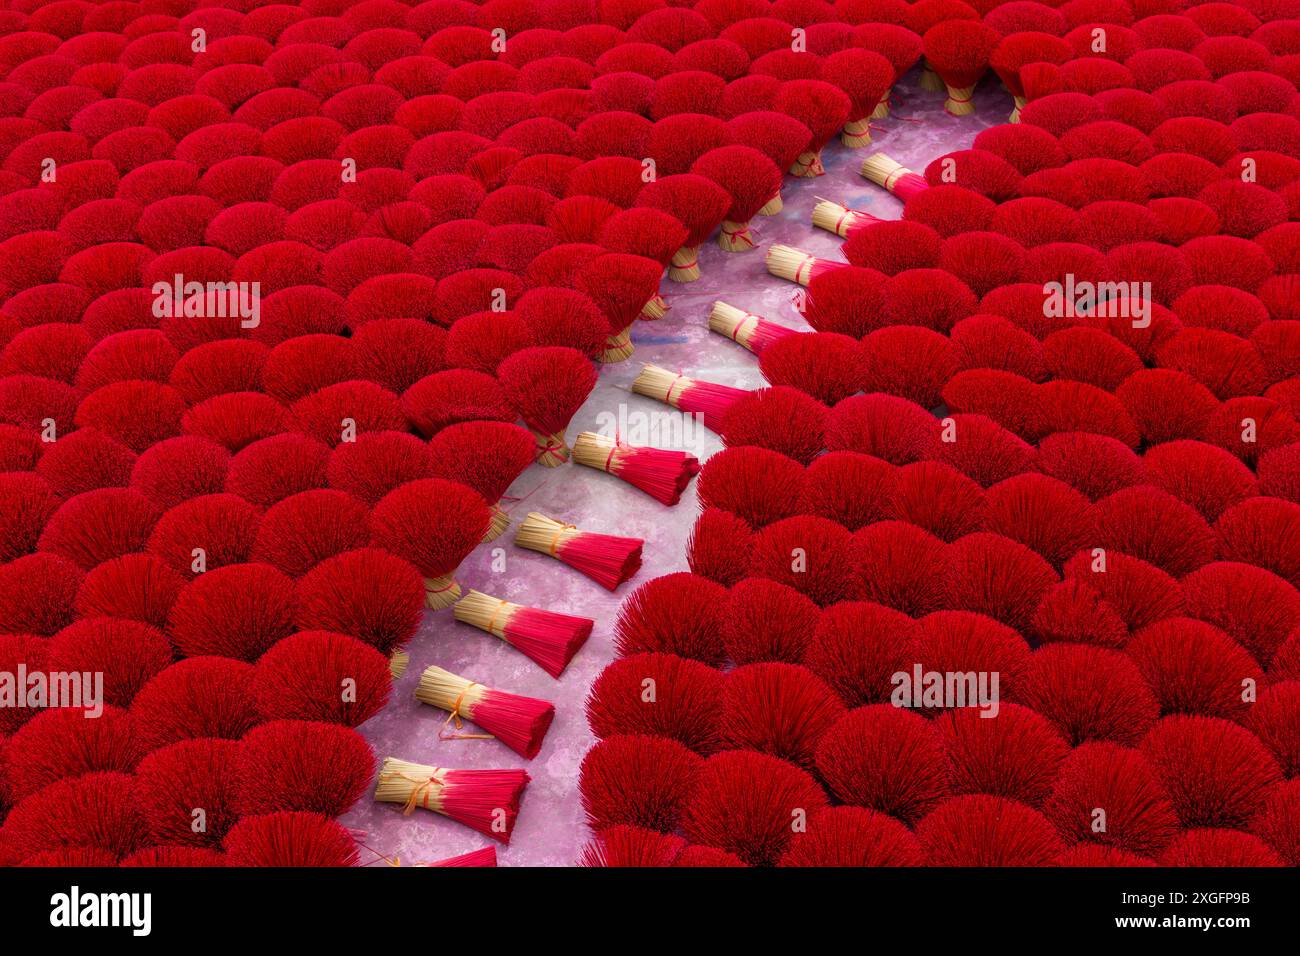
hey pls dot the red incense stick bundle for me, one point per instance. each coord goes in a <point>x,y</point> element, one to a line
<point>659,472</point>
<point>1018,50</point>
<point>840,219</point>
<point>707,399</point>
<point>795,265</point>
<point>607,559</point>
<point>484,800</point>
<point>433,524</point>
<point>865,77</point>
<point>518,722</point>
<point>549,638</point>
<point>625,287</point>
<point>697,203</point>
<point>548,384</point>
<point>750,178</point>
<point>745,328</point>
<point>821,107</point>
<point>485,456</point>
<point>484,857</point>
<point>893,176</point>
<point>959,51</point>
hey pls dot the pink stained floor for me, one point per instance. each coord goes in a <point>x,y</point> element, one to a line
<point>551,829</point>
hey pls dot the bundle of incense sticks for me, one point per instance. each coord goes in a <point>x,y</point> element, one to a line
<point>656,308</point>
<point>549,638</point>
<point>839,219</point>
<point>894,176</point>
<point>605,558</point>
<point>659,472</point>
<point>707,399</point>
<point>484,800</point>
<point>745,328</point>
<point>795,265</point>
<point>484,857</point>
<point>518,722</point>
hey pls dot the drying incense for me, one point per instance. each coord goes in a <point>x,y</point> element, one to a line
<point>839,219</point>
<point>607,559</point>
<point>745,328</point>
<point>659,472</point>
<point>547,637</point>
<point>707,399</point>
<point>518,722</point>
<point>484,800</point>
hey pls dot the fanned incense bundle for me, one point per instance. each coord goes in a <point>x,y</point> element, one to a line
<point>795,265</point>
<point>894,176</point>
<point>745,328</point>
<point>518,722</point>
<point>607,559</point>
<point>546,637</point>
<point>548,384</point>
<point>484,800</point>
<point>697,203</point>
<point>959,52</point>
<point>707,399</point>
<point>839,219</point>
<point>484,857</point>
<point>659,472</point>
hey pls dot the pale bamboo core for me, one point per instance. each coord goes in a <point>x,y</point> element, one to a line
<point>735,237</point>
<point>808,165</point>
<point>497,526</point>
<point>772,206</point>
<point>837,218</point>
<point>440,592</point>
<point>883,170</point>
<point>856,133</point>
<point>596,451</point>
<point>1015,112</point>
<point>551,449</point>
<point>930,79</point>
<point>618,347</point>
<point>960,101</point>
<point>661,385</point>
<point>791,264</point>
<point>685,264</point>
<point>398,663</point>
<point>736,324</point>
<point>882,108</point>
<point>487,613</point>
<point>410,784</point>
<point>450,692</point>
<point>655,309</point>
<point>544,534</point>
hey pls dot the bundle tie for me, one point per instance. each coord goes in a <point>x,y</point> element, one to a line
<point>553,448</point>
<point>740,235</point>
<point>491,627</point>
<point>456,716</point>
<point>668,395</point>
<point>808,261</point>
<point>687,265</point>
<point>446,587</point>
<point>420,794</point>
<point>555,541</point>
